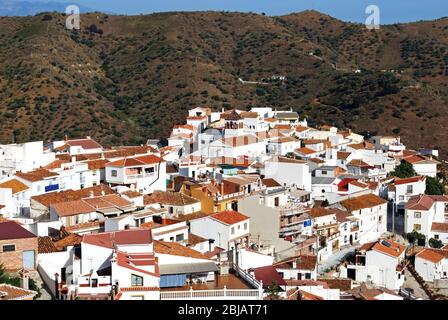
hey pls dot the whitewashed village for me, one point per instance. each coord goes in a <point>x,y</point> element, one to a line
<point>234,205</point>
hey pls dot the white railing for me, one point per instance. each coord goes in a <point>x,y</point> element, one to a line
<point>139,176</point>
<point>219,294</point>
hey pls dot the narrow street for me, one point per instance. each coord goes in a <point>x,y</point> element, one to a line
<point>334,259</point>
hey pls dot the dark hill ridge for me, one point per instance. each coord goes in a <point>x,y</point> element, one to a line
<point>123,79</point>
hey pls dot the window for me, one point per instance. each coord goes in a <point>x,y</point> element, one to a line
<point>324,172</point>
<point>417,227</point>
<point>232,231</point>
<point>446,207</point>
<point>114,173</point>
<point>417,215</point>
<point>307,275</point>
<point>9,248</point>
<point>179,237</point>
<point>136,281</point>
<point>436,236</point>
<point>245,226</point>
<point>150,170</point>
<point>239,227</point>
<point>401,198</point>
<point>409,189</point>
<point>94,283</point>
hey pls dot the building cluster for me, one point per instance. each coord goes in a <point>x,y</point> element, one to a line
<point>235,204</point>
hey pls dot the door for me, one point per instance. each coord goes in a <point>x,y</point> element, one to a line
<point>28,260</point>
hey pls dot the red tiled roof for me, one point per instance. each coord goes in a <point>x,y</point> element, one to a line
<point>15,293</point>
<point>424,202</point>
<point>303,262</point>
<point>11,230</point>
<point>229,217</point>
<point>343,155</point>
<point>270,183</point>
<point>433,255</point>
<point>359,163</point>
<point>136,161</point>
<point>363,202</point>
<point>169,198</point>
<point>268,275</point>
<point>88,205</point>
<point>413,159</point>
<point>124,237</point>
<point>394,249</point>
<point>71,195</point>
<point>36,175</point>
<point>176,249</point>
<point>84,143</point>
<point>15,185</point>
<point>439,227</point>
<point>305,151</point>
<point>409,180</point>
<point>97,164</point>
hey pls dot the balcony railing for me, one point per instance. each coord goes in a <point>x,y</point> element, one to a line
<point>220,294</point>
<point>139,176</point>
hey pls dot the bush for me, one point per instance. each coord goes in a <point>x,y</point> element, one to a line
<point>414,235</point>
<point>435,243</point>
<point>433,187</point>
<point>404,170</point>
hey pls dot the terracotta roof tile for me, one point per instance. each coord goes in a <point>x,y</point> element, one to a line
<point>433,255</point>
<point>124,237</point>
<point>15,185</point>
<point>46,245</point>
<point>9,292</point>
<point>71,195</point>
<point>176,249</point>
<point>363,202</point>
<point>36,175</point>
<point>229,217</point>
<point>169,198</point>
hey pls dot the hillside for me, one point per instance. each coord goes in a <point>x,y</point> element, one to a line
<point>123,79</point>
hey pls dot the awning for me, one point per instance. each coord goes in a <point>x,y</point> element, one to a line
<point>110,211</point>
<point>188,268</point>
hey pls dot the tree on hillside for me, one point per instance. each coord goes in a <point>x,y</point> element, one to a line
<point>433,187</point>
<point>404,170</point>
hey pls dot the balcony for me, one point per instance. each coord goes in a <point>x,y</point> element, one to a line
<point>226,287</point>
<point>139,176</point>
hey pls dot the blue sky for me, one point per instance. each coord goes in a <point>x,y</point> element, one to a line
<point>349,10</point>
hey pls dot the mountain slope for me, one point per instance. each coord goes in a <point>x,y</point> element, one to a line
<point>124,79</point>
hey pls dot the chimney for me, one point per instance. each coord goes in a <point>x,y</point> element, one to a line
<point>24,279</point>
<point>73,159</point>
<point>132,187</point>
<point>92,194</point>
<point>103,193</point>
<point>88,137</point>
<point>65,138</point>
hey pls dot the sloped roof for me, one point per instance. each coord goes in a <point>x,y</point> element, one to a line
<point>229,217</point>
<point>363,202</point>
<point>36,175</point>
<point>169,198</point>
<point>11,230</point>
<point>124,237</point>
<point>176,249</point>
<point>15,185</point>
<point>135,161</point>
<point>71,195</point>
